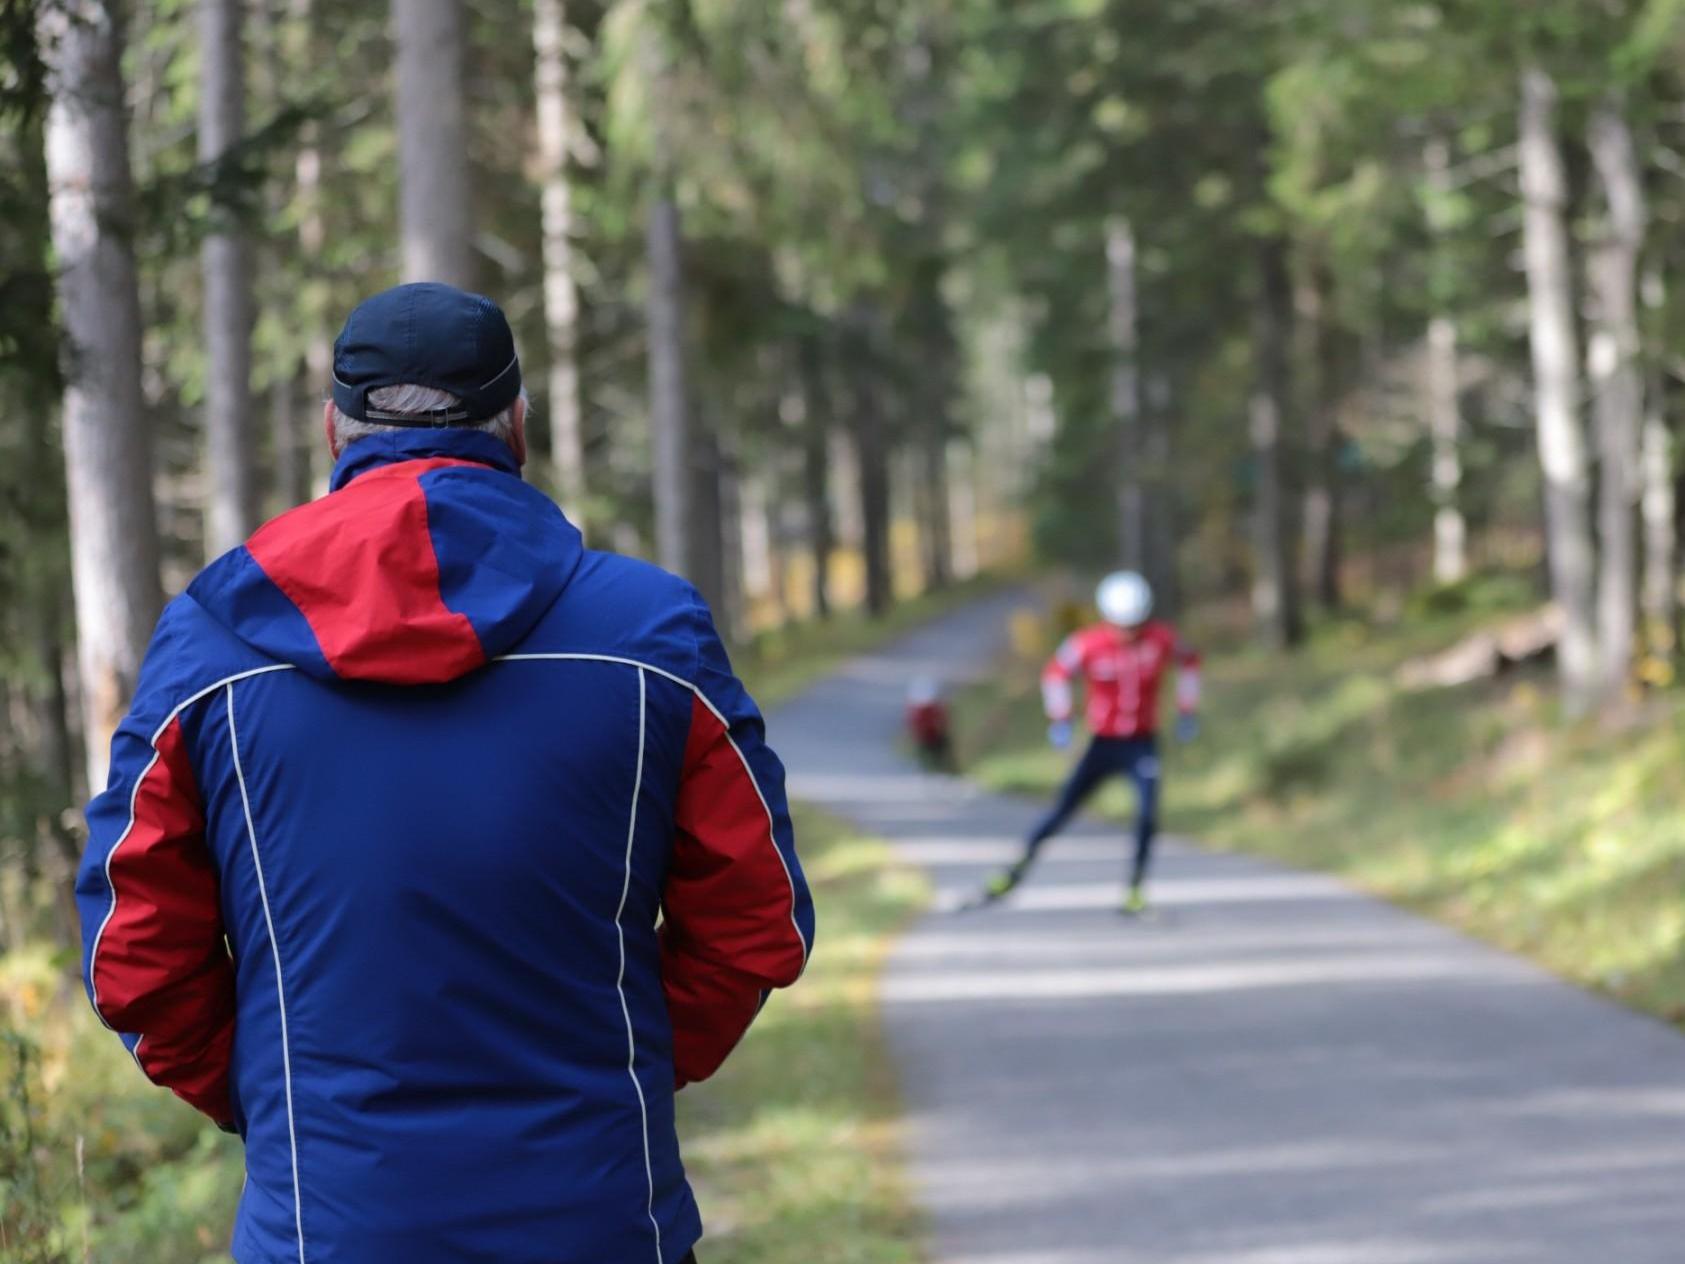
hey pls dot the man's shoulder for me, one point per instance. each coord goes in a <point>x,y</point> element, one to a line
<point>602,566</point>
<point>190,654</point>
<point>622,607</point>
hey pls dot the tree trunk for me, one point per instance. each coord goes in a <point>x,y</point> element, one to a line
<point>1616,375</point>
<point>924,62</point>
<point>231,500</point>
<point>434,213</point>
<point>1445,418</point>
<point>1322,491</point>
<point>816,470</point>
<point>937,530</point>
<point>931,334</point>
<point>1445,424</point>
<point>1122,322</point>
<point>107,449</point>
<point>1158,448</point>
<point>56,758</point>
<point>561,295</point>
<point>1275,597</point>
<point>963,503</point>
<point>871,448</point>
<point>288,428</point>
<point>1562,448</point>
<point>670,429</point>
<point>42,602</point>
<point>1659,598</point>
<point>757,510</point>
<point>720,518</point>
<point>312,239</point>
<point>288,484</point>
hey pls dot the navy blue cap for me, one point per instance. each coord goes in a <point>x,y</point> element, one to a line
<point>427,334</point>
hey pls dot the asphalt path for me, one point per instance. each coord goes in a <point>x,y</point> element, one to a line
<point>1271,1070</point>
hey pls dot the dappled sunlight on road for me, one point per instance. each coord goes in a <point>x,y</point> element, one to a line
<point>1134,980</point>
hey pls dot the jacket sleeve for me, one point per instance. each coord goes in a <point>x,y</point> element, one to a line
<point>1187,675</point>
<point>155,960</point>
<point>737,914</point>
<point>1056,677</point>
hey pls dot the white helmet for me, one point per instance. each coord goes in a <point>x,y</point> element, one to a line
<point>1125,599</point>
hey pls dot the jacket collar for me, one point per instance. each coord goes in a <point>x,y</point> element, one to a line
<point>391,447</point>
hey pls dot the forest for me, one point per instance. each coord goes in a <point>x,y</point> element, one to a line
<point>1313,311</point>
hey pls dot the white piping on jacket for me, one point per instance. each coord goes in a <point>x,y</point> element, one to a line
<point>280,990</point>
<point>620,978</point>
<point>134,795</point>
<point>771,824</point>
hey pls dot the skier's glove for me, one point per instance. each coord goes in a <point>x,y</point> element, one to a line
<point>1059,733</point>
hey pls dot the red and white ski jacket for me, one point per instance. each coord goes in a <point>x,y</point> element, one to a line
<point>1121,670</point>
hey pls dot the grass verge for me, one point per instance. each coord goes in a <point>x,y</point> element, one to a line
<point>1473,805</point>
<point>793,1146</point>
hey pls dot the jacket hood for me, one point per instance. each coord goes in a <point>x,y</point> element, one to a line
<point>427,558</point>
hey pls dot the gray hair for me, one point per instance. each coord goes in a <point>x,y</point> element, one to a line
<point>417,399</point>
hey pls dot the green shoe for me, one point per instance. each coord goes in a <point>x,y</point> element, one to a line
<point>1002,884</point>
<point>1135,902</point>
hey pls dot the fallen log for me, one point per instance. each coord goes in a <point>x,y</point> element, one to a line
<point>1487,653</point>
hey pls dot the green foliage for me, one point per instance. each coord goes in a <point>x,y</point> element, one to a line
<point>96,1165</point>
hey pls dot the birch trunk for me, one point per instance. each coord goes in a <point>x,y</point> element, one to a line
<point>1321,499</point>
<point>434,214</point>
<point>1445,420</point>
<point>1275,597</point>
<point>1123,324</point>
<point>561,295</point>
<point>1615,370</point>
<point>1659,596</point>
<point>1562,447</point>
<point>107,449</point>
<point>231,498</point>
<point>1445,424</point>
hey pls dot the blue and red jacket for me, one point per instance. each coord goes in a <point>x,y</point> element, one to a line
<point>438,851</point>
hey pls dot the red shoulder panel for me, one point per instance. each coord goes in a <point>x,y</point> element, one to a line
<point>377,614</point>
